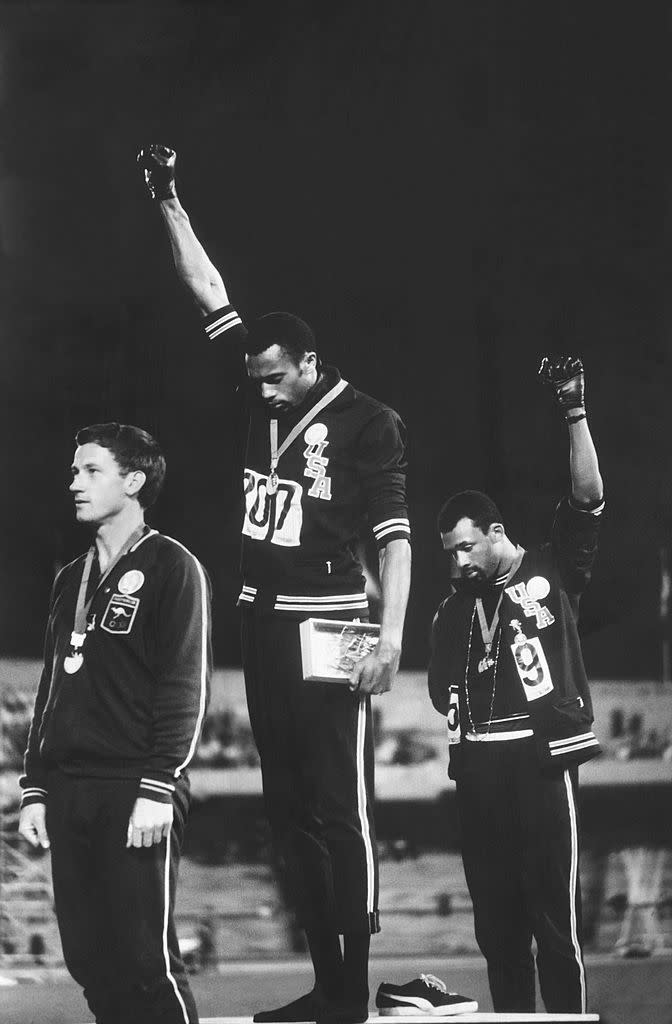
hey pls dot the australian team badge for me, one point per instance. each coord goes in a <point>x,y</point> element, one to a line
<point>120,614</point>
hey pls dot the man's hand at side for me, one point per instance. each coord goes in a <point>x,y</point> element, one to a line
<point>33,825</point>
<point>149,822</point>
<point>375,673</point>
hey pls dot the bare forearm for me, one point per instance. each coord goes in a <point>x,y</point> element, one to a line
<point>375,673</point>
<point>395,581</point>
<point>583,464</point>
<point>193,265</point>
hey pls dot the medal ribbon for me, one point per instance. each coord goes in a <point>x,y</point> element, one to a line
<point>82,606</point>
<point>488,632</point>
<point>303,422</point>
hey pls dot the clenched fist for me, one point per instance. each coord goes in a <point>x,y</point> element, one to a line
<point>564,374</point>
<point>33,825</point>
<point>158,164</point>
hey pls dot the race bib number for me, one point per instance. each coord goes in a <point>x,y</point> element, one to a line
<point>453,716</point>
<point>276,517</point>
<point>532,667</point>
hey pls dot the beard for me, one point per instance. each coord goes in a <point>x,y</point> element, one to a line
<point>474,586</point>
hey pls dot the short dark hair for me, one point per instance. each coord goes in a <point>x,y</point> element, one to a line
<point>133,449</point>
<point>288,331</point>
<point>472,505</point>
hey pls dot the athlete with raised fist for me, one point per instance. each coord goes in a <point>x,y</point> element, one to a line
<point>323,460</point>
<point>507,671</point>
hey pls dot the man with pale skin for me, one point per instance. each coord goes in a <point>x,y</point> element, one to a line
<point>117,716</point>
<point>323,461</point>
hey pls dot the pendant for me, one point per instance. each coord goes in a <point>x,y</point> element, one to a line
<point>520,637</point>
<point>485,663</point>
<point>73,662</point>
<point>272,482</point>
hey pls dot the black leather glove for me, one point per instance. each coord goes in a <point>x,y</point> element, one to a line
<point>564,374</point>
<point>158,164</point>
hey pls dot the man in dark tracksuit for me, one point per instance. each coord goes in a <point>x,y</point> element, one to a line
<point>118,714</point>
<point>506,668</point>
<point>322,460</point>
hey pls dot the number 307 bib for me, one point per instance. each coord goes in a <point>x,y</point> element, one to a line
<point>276,517</point>
<point>532,667</point>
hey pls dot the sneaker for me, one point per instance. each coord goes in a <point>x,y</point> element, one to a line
<point>423,995</point>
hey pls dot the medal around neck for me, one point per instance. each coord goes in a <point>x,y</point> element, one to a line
<point>74,658</point>
<point>486,662</point>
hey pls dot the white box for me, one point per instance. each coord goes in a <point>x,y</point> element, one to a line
<point>330,648</point>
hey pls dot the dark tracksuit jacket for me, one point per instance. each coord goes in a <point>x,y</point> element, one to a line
<point>344,472</point>
<point>517,738</point>
<point>125,725</point>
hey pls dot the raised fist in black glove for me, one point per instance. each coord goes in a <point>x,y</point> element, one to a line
<point>158,164</point>
<point>564,374</point>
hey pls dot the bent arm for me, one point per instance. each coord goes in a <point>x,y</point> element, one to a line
<point>194,267</point>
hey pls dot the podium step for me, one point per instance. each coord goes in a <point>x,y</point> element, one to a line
<point>460,1018</point>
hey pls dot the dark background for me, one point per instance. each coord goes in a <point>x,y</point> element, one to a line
<point>445,190</point>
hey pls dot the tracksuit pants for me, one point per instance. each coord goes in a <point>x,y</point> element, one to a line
<point>114,905</point>
<point>520,848</point>
<point>315,741</point>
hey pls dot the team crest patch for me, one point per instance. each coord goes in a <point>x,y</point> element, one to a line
<point>131,581</point>
<point>537,588</point>
<point>120,614</point>
<point>316,433</point>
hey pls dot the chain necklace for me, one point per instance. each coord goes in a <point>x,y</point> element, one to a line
<point>488,634</point>
<point>480,735</point>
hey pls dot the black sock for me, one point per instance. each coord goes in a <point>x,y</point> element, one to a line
<point>305,1008</point>
<point>325,952</point>
<point>356,967</point>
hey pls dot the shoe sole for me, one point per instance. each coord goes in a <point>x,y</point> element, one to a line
<point>358,1018</point>
<point>436,1011</point>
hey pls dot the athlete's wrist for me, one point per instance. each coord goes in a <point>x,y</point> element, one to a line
<point>389,645</point>
<point>576,415</point>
